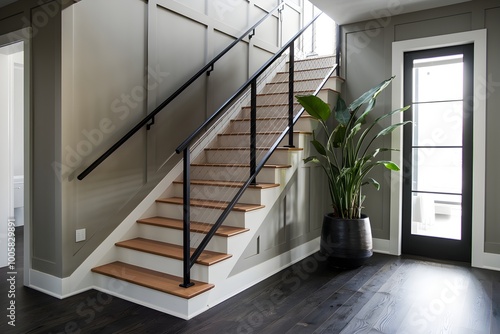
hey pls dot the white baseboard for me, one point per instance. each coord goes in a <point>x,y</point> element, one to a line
<point>382,246</point>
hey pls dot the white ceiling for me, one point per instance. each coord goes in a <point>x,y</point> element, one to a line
<point>349,11</point>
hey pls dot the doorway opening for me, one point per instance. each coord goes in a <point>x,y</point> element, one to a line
<point>12,143</point>
<point>437,153</point>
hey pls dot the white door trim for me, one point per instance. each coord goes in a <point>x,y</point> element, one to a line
<point>478,37</point>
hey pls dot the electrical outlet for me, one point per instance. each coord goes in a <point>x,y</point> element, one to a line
<point>80,235</point>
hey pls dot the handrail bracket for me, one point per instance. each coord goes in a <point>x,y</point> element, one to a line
<point>210,70</point>
<point>151,123</point>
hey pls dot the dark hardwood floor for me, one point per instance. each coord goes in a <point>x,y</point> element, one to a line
<point>389,295</point>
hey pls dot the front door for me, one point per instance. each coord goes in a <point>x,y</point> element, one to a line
<point>437,153</point>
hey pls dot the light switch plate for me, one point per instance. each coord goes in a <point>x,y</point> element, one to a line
<point>80,235</point>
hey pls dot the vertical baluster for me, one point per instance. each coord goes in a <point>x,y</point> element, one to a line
<point>338,49</point>
<point>291,72</point>
<point>253,129</point>
<point>186,179</point>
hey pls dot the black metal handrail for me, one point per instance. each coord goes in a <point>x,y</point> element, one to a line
<point>150,117</point>
<point>255,168</point>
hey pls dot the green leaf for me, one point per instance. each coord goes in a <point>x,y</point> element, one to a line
<point>339,136</point>
<point>319,147</point>
<point>372,93</point>
<point>342,114</point>
<point>312,159</point>
<point>373,182</point>
<point>315,107</point>
<point>391,128</point>
<point>390,165</point>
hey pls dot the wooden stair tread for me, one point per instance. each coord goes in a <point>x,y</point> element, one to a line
<point>243,207</point>
<point>229,184</point>
<point>207,258</point>
<point>223,231</point>
<point>152,279</point>
<point>237,165</point>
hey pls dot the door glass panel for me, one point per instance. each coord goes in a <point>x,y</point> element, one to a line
<point>438,124</point>
<point>439,78</point>
<point>437,215</point>
<point>437,147</point>
<point>437,170</point>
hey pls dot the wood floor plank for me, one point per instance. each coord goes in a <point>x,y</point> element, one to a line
<point>206,258</point>
<point>152,279</point>
<point>243,207</point>
<point>277,298</point>
<point>389,306</point>
<point>223,231</point>
<point>339,302</point>
<point>495,304</point>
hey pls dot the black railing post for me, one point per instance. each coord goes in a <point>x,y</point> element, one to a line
<point>186,179</point>
<point>338,49</point>
<point>291,70</point>
<point>253,129</point>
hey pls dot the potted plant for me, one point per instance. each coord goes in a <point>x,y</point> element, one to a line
<point>347,157</point>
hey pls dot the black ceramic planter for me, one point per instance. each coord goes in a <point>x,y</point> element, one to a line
<point>346,242</point>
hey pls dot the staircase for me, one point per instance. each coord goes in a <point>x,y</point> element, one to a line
<point>146,267</point>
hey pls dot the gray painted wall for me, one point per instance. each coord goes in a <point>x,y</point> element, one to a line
<point>96,71</point>
<point>367,61</point>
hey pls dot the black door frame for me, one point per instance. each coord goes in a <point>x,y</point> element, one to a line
<point>433,247</point>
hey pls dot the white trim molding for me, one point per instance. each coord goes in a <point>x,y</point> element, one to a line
<point>480,258</point>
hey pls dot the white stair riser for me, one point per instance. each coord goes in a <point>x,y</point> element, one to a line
<point>162,264</point>
<point>333,83</point>
<point>270,111</point>
<point>163,302</point>
<point>312,63</point>
<point>235,156</point>
<point>204,215</point>
<point>304,124</point>
<point>329,96</point>
<point>263,140</point>
<point>281,98</point>
<point>263,125</point>
<point>219,193</point>
<point>267,175</point>
<point>175,236</point>
<point>302,75</point>
<point>299,87</point>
